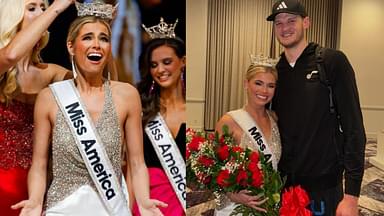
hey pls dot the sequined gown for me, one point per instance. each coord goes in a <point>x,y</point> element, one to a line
<point>70,175</point>
<point>274,143</point>
<point>16,126</point>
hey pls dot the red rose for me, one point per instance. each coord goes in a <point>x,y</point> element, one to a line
<point>257,179</point>
<point>203,178</point>
<point>194,145</point>
<point>222,178</point>
<point>237,149</point>
<point>211,136</point>
<point>206,161</point>
<point>207,180</point>
<point>253,167</point>
<point>242,178</point>
<point>254,157</point>
<point>222,140</point>
<point>223,152</point>
<point>189,130</point>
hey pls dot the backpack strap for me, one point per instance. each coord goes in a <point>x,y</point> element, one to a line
<point>319,52</point>
<point>324,78</point>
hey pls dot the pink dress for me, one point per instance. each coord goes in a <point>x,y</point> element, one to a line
<point>16,126</point>
<point>160,187</point>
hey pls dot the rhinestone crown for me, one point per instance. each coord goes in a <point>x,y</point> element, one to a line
<point>262,60</point>
<point>96,8</point>
<point>162,30</point>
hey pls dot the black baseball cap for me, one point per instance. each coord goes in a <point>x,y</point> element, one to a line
<point>287,6</point>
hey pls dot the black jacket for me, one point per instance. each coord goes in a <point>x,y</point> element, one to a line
<point>307,127</point>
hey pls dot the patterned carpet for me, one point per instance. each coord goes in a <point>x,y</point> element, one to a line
<point>371,202</point>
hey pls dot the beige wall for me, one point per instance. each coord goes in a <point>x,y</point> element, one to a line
<point>196,61</point>
<point>362,30</point>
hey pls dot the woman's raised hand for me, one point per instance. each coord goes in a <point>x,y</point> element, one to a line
<point>61,5</point>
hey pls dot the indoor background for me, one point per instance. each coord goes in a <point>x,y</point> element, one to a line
<point>217,58</point>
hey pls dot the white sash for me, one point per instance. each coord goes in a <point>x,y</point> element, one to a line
<point>250,127</point>
<point>91,149</point>
<point>169,155</point>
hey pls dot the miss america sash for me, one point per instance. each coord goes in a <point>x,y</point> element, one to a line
<point>169,155</point>
<point>91,149</point>
<point>249,126</point>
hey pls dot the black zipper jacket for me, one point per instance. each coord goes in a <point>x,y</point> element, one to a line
<point>309,130</point>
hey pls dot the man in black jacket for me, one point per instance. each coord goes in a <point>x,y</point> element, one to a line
<point>320,146</point>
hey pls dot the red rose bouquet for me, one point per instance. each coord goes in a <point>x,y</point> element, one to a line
<point>218,164</point>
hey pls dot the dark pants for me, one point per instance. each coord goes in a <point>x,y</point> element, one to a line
<point>324,202</point>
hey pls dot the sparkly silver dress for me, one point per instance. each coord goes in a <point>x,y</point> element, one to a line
<point>226,206</point>
<point>72,191</point>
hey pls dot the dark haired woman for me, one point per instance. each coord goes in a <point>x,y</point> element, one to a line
<point>162,92</point>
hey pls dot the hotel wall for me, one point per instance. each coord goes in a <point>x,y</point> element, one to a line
<point>360,39</point>
<point>196,61</point>
<point>362,30</point>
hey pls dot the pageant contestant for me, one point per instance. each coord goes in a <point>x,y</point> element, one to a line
<point>260,84</point>
<point>162,92</point>
<point>90,119</point>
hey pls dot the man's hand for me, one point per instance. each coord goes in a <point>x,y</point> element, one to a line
<point>348,206</point>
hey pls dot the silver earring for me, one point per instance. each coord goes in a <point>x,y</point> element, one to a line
<point>73,67</point>
<point>152,87</point>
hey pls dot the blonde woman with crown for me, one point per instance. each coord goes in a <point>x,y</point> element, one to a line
<point>23,34</point>
<point>86,121</point>
<point>260,83</point>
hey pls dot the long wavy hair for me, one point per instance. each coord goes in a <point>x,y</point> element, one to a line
<point>11,17</point>
<point>151,100</point>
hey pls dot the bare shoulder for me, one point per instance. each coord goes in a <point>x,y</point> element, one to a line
<point>125,94</point>
<point>45,106</point>
<point>45,99</point>
<point>58,73</point>
<point>123,89</point>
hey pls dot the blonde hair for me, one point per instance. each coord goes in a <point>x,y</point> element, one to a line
<point>79,22</point>
<point>255,69</point>
<point>11,17</point>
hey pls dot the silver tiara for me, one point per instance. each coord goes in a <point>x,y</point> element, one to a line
<point>162,30</point>
<point>96,8</point>
<point>262,60</point>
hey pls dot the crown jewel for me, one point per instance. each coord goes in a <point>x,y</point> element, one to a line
<point>162,30</point>
<point>96,8</point>
<point>262,60</point>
